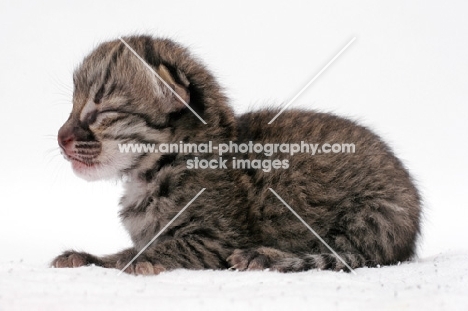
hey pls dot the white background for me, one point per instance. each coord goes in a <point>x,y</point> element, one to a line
<point>405,76</point>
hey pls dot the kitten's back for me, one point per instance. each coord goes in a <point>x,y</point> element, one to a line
<point>362,202</point>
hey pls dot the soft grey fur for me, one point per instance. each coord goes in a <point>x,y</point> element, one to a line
<point>363,204</point>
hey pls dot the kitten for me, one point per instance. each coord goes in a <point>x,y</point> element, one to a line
<point>363,204</point>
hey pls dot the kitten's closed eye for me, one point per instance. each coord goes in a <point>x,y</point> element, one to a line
<point>98,116</point>
<point>90,118</point>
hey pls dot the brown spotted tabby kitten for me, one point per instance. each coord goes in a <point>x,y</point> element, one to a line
<point>363,204</point>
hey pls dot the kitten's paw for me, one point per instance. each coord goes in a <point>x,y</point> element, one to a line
<point>141,268</point>
<point>72,259</point>
<point>250,259</point>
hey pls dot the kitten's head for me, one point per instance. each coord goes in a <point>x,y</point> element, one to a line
<point>118,100</point>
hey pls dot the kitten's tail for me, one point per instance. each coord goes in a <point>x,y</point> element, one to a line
<point>273,259</point>
<point>319,261</point>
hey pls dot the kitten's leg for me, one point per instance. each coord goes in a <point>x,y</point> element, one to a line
<point>256,258</point>
<point>190,253</point>
<point>74,259</point>
<point>273,259</point>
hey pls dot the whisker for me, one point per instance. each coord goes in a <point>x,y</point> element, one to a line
<point>50,150</point>
<point>64,87</point>
<point>61,103</point>
<point>52,158</point>
<point>58,172</point>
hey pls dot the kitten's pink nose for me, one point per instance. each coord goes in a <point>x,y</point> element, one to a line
<point>65,137</point>
<point>73,131</point>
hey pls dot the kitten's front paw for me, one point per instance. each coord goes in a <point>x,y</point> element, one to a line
<point>72,259</point>
<point>141,265</point>
<point>141,268</point>
<point>145,268</point>
<point>248,260</point>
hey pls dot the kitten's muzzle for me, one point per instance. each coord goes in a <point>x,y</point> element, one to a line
<point>73,130</point>
<point>77,141</point>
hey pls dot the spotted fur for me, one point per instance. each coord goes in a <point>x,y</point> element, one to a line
<point>363,204</point>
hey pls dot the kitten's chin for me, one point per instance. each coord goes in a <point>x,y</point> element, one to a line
<point>93,172</point>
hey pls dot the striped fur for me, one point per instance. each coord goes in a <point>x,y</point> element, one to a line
<point>364,205</point>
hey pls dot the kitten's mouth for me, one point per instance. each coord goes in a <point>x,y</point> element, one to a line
<point>86,168</point>
<point>80,163</point>
<point>82,166</point>
<point>86,158</point>
<point>83,161</point>
<point>90,161</point>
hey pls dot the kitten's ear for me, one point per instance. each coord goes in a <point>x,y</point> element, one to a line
<point>180,89</point>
